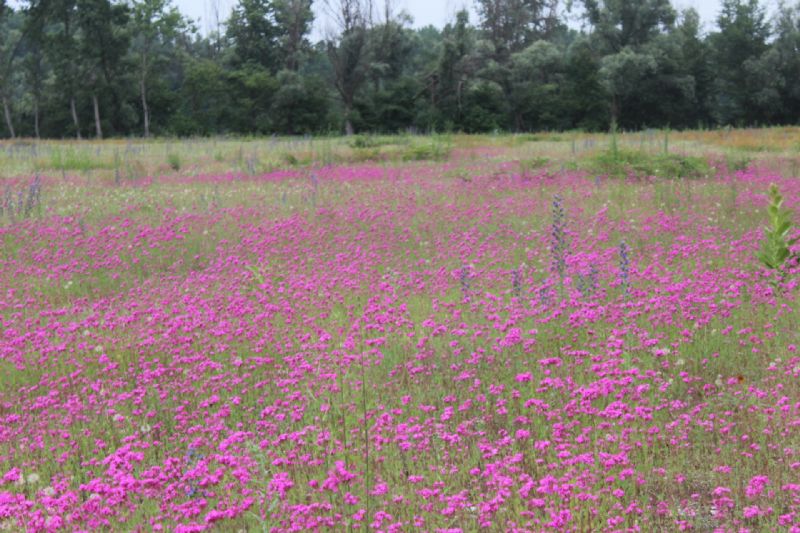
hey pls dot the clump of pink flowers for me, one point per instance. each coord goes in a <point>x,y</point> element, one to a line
<point>366,360</point>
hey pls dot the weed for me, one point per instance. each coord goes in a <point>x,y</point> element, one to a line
<point>174,161</point>
<point>776,246</point>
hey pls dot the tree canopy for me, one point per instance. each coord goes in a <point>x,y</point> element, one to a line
<point>93,68</point>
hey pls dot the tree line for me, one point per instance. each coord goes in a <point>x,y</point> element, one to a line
<point>95,68</point>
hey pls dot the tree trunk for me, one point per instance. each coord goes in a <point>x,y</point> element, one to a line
<point>9,123</point>
<point>348,124</point>
<point>145,109</point>
<point>98,128</point>
<point>36,118</point>
<point>614,110</point>
<point>75,117</point>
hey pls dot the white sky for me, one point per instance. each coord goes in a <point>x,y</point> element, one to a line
<point>424,12</point>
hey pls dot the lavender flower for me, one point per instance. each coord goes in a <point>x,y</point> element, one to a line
<point>464,275</point>
<point>558,237</point>
<point>516,282</point>
<point>625,268</point>
<point>588,284</point>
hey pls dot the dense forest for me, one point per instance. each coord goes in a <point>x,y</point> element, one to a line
<point>94,68</point>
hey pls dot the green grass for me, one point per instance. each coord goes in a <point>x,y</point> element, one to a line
<point>74,159</point>
<point>646,153</point>
<point>625,162</point>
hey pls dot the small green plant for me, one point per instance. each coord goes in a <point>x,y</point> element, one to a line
<point>776,247</point>
<point>737,162</point>
<point>432,151</point>
<point>364,141</point>
<point>174,161</point>
<point>290,159</point>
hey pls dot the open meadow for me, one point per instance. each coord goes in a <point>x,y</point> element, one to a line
<point>553,332</point>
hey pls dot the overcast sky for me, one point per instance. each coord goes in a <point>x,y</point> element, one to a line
<point>424,12</point>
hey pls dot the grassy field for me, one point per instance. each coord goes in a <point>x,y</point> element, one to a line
<point>136,159</point>
<point>551,332</point>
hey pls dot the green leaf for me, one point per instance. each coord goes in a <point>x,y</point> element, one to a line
<point>773,211</point>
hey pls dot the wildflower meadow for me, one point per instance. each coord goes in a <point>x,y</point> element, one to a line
<point>435,334</point>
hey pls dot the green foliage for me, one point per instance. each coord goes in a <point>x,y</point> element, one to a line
<point>174,161</point>
<point>435,150</point>
<point>485,107</point>
<point>290,159</point>
<point>204,101</point>
<point>736,162</point>
<point>251,90</point>
<point>511,26</point>
<point>620,24</point>
<point>390,109</point>
<point>538,137</point>
<point>737,50</point>
<point>363,141</point>
<point>252,30</point>
<point>642,64</point>
<point>621,75</point>
<point>584,100</point>
<point>299,104</point>
<point>786,45</point>
<point>538,81</point>
<point>293,19</point>
<point>73,159</point>
<point>620,163</point>
<point>776,246</point>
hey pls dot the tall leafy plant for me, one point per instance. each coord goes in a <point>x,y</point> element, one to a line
<point>775,252</point>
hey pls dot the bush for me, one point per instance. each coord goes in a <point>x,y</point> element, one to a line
<point>174,161</point>
<point>363,141</point>
<point>432,151</point>
<point>622,163</point>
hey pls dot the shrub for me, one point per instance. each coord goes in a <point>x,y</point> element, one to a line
<point>363,141</point>
<point>432,151</point>
<point>622,163</point>
<point>174,161</point>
